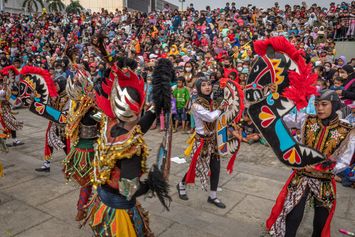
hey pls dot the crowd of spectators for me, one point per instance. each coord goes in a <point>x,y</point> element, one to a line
<point>214,43</point>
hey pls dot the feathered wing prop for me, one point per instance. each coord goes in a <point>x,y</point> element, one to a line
<point>302,83</point>
<point>12,87</point>
<point>46,90</point>
<point>51,89</point>
<point>233,99</point>
<point>294,85</point>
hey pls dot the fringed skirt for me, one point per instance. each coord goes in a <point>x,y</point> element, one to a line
<point>78,163</point>
<point>107,221</point>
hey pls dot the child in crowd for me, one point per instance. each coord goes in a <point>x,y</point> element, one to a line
<point>249,132</point>
<point>338,84</point>
<point>182,96</point>
<point>232,76</point>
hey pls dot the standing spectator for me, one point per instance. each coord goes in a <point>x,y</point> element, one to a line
<point>182,95</point>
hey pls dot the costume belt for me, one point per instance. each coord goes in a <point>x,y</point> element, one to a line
<point>88,132</point>
<point>115,200</point>
<point>206,137</point>
<point>316,175</point>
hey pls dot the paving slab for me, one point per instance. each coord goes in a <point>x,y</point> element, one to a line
<point>16,217</point>
<point>159,224</point>
<point>55,228</point>
<point>38,191</point>
<point>210,223</point>
<point>179,230</point>
<point>251,208</point>
<point>63,208</point>
<point>254,185</point>
<point>198,200</point>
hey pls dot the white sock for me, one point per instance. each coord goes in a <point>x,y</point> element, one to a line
<point>46,164</point>
<point>213,194</point>
<point>182,188</point>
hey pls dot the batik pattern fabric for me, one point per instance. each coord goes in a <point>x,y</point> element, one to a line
<point>55,134</point>
<point>322,190</point>
<point>78,163</point>
<point>7,119</point>
<point>54,140</point>
<point>106,221</point>
<point>204,149</point>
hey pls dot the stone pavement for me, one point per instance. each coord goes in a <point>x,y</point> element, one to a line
<point>36,205</point>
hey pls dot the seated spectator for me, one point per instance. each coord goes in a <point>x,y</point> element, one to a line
<point>250,134</point>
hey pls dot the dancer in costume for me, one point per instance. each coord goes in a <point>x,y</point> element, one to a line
<point>82,130</point>
<point>8,91</point>
<point>121,154</point>
<point>280,81</point>
<point>39,92</point>
<point>205,155</point>
<point>55,138</point>
<point>333,138</point>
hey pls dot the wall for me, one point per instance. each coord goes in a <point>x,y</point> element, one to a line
<point>13,6</point>
<point>96,5</point>
<point>346,48</point>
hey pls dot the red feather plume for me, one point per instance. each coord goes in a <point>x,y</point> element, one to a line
<point>103,102</point>
<point>302,84</point>
<point>52,90</point>
<point>5,70</point>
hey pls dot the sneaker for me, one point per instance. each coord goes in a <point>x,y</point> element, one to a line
<point>15,143</point>
<point>44,168</point>
<point>216,202</point>
<point>182,193</point>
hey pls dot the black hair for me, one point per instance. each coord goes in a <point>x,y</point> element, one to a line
<point>181,79</point>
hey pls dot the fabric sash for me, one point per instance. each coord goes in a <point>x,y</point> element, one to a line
<point>115,200</point>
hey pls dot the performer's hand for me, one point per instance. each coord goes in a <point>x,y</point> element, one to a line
<point>222,106</point>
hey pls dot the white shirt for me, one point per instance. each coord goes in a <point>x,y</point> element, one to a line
<point>203,115</point>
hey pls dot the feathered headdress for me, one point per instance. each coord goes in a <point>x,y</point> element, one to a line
<point>302,83</point>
